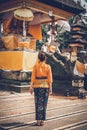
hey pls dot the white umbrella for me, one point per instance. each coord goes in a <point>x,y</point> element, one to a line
<point>64,25</point>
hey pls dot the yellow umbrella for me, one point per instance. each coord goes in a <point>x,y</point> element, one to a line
<point>24,14</point>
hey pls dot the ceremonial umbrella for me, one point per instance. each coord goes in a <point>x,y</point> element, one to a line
<point>24,14</point>
<point>64,25</point>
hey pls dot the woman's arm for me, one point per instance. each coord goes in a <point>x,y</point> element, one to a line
<point>50,88</point>
<point>31,88</point>
<point>32,80</point>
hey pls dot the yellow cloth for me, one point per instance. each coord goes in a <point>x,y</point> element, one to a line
<point>52,48</point>
<point>42,83</point>
<point>10,41</point>
<point>30,45</point>
<point>80,67</point>
<point>35,31</point>
<point>41,69</point>
<point>23,44</point>
<point>6,26</point>
<point>17,60</point>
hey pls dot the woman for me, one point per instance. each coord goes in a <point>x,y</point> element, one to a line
<point>41,82</point>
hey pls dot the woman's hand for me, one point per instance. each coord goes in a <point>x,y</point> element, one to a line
<point>31,89</point>
<point>50,88</point>
<point>50,91</point>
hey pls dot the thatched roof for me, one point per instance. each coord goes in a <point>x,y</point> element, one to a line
<point>77,42</point>
<point>79,25</point>
<point>80,33</point>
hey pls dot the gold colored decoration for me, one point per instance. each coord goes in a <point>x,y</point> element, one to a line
<point>23,14</point>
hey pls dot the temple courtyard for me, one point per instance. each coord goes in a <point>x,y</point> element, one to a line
<point>63,113</point>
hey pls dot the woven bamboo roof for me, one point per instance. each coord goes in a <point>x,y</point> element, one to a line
<point>78,33</point>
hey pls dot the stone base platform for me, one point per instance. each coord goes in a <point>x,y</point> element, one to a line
<point>15,86</point>
<point>65,87</point>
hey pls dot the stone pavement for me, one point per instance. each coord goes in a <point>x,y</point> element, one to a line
<point>63,113</point>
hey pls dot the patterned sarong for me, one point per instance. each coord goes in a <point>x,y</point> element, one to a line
<point>41,99</point>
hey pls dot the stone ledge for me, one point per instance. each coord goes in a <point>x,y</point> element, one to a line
<point>15,88</point>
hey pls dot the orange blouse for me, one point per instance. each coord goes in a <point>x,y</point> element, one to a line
<point>41,75</point>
